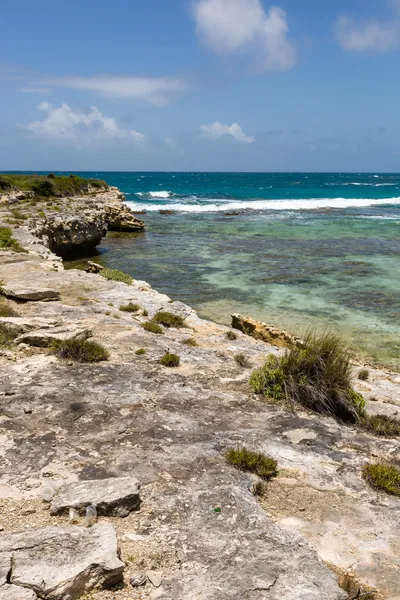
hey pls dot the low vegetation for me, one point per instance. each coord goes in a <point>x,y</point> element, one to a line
<point>153,327</point>
<point>130,307</point>
<point>85,351</point>
<point>168,319</point>
<point>6,310</point>
<point>363,374</point>
<point>50,185</point>
<point>7,335</point>
<point>316,376</point>
<point>381,425</point>
<point>140,351</point>
<point>231,335</point>
<point>8,242</point>
<point>242,360</point>
<point>190,341</point>
<point>252,462</point>
<point>170,360</point>
<point>17,214</point>
<point>116,275</point>
<point>383,477</point>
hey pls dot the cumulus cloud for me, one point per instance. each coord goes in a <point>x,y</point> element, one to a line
<point>229,26</point>
<point>64,123</point>
<point>368,35</point>
<point>216,130</point>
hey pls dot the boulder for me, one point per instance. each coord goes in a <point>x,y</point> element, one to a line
<point>30,292</point>
<point>116,497</point>
<point>264,332</point>
<point>61,563</point>
<point>43,338</point>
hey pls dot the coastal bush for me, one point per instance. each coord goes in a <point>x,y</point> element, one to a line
<point>116,275</point>
<point>242,360</point>
<point>190,342</point>
<point>6,310</point>
<point>363,374</point>
<point>168,319</point>
<point>380,425</point>
<point>252,462</point>
<point>383,477</point>
<point>130,307</point>
<point>153,327</point>
<point>7,241</point>
<point>7,335</point>
<point>140,351</point>
<point>55,186</point>
<point>316,376</point>
<point>170,360</point>
<point>86,351</point>
<point>231,335</point>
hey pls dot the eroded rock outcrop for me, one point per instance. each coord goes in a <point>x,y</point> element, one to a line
<point>264,332</point>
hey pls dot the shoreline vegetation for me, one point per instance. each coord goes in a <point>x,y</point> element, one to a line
<point>237,414</point>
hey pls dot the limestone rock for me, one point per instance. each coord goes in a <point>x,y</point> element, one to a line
<point>116,497</point>
<point>120,218</point>
<point>66,232</point>
<point>12,592</point>
<point>93,267</point>
<point>22,325</point>
<point>32,291</point>
<point>62,564</point>
<point>43,338</point>
<point>264,332</point>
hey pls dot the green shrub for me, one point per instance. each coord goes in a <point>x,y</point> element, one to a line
<point>8,242</point>
<point>80,350</point>
<point>153,327</point>
<point>168,319</point>
<point>381,425</point>
<point>383,477</point>
<point>132,308</point>
<point>140,351</point>
<point>252,462</point>
<point>242,360</point>
<point>145,312</point>
<point>363,374</point>
<point>317,376</point>
<point>116,275</point>
<point>7,335</point>
<point>170,360</point>
<point>190,342</point>
<point>50,186</point>
<point>7,311</point>
<point>231,335</point>
<point>17,214</point>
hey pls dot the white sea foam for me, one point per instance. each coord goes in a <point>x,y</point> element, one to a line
<point>214,205</point>
<point>160,194</point>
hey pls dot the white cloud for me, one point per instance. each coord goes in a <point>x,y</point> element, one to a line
<point>367,36</point>
<point>217,130</point>
<point>171,142</point>
<point>64,123</point>
<point>229,26</point>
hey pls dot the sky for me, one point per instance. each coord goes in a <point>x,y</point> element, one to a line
<point>200,85</point>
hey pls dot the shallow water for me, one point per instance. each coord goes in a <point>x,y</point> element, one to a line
<point>296,269</point>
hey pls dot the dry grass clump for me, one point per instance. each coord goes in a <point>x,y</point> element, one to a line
<point>231,335</point>
<point>85,351</point>
<point>116,275</point>
<point>380,425</point>
<point>153,327</point>
<point>7,335</point>
<point>190,342</point>
<point>168,319</point>
<point>170,360</point>
<point>252,462</point>
<point>383,477</point>
<point>363,374</point>
<point>130,307</point>
<point>6,310</point>
<point>317,376</point>
<point>242,360</point>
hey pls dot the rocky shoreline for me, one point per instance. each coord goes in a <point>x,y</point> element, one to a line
<point>198,531</point>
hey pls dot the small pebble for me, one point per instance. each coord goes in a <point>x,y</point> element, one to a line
<point>138,580</point>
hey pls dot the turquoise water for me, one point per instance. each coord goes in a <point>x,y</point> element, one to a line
<point>295,250</point>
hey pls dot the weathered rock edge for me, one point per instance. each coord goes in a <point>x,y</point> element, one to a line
<point>267,333</point>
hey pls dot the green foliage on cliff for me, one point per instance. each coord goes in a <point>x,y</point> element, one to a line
<point>8,242</point>
<point>130,307</point>
<point>252,462</point>
<point>381,425</point>
<point>170,360</point>
<point>168,319</point>
<point>50,185</point>
<point>116,275</point>
<point>153,327</point>
<point>383,477</point>
<point>317,376</point>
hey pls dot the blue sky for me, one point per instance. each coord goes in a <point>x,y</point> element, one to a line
<point>200,85</point>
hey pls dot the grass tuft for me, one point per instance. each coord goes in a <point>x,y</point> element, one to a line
<point>242,360</point>
<point>190,342</point>
<point>252,462</point>
<point>86,351</point>
<point>130,307</point>
<point>363,374</point>
<point>7,335</point>
<point>8,242</point>
<point>153,327</point>
<point>383,477</point>
<point>316,376</point>
<point>170,360</point>
<point>380,425</point>
<point>7,311</point>
<point>168,319</point>
<point>140,351</point>
<point>116,275</point>
<point>231,335</point>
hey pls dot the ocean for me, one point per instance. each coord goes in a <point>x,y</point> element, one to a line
<point>297,250</point>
